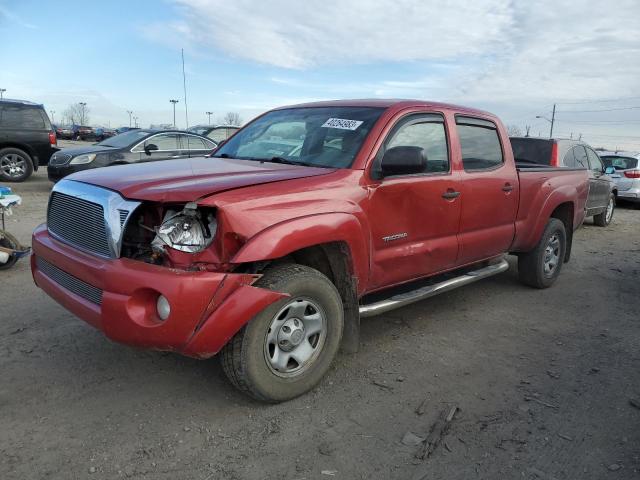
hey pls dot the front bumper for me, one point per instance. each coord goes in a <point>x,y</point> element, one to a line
<point>207,308</point>
<point>58,172</point>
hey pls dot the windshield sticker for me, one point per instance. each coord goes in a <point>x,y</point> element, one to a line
<point>342,124</point>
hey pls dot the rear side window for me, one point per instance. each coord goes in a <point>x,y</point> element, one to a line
<point>576,158</point>
<point>480,144</point>
<point>532,150</point>
<point>620,163</point>
<point>16,117</point>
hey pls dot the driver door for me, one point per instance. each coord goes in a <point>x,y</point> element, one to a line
<point>415,217</point>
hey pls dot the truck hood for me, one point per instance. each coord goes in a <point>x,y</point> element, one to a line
<point>189,179</point>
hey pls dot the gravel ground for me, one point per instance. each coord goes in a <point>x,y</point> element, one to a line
<point>545,382</point>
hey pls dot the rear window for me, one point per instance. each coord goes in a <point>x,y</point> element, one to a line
<point>18,117</point>
<point>532,150</point>
<point>620,163</point>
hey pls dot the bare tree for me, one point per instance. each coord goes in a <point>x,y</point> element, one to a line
<point>514,131</point>
<point>76,114</point>
<point>232,118</point>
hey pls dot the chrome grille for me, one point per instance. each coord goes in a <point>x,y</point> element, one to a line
<point>71,283</point>
<point>78,222</point>
<point>89,217</point>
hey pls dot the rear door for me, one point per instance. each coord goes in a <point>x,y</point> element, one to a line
<point>489,191</point>
<point>29,126</point>
<point>413,227</point>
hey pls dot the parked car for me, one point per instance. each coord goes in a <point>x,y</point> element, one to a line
<point>626,173</point>
<point>125,129</point>
<point>217,133</point>
<point>64,132</point>
<point>27,139</point>
<point>102,133</point>
<point>573,154</point>
<point>130,147</point>
<point>306,220</point>
<point>83,132</point>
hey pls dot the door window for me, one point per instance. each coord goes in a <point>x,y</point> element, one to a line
<point>579,157</point>
<point>427,133</point>
<point>218,134</point>
<point>480,144</point>
<point>190,142</point>
<point>594,161</point>
<point>164,142</point>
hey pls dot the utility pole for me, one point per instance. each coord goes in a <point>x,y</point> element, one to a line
<point>209,120</point>
<point>130,113</point>
<point>553,119</point>
<point>82,107</point>
<point>2,90</point>
<point>174,101</point>
<point>53,119</point>
<point>528,127</point>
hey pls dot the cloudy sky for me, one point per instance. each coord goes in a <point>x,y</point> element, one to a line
<point>512,57</point>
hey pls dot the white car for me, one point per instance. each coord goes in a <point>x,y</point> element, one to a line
<point>627,174</point>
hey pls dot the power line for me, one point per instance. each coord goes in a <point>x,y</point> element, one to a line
<point>602,110</point>
<point>582,102</point>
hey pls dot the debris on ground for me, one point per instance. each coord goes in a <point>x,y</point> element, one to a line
<point>411,439</point>
<point>634,402</point>
<point>382,385</point>
<point>438,431</point>
<point>420,409</point>
<point>565,437</point>
<point>533,399</point>
<point>614,467</point>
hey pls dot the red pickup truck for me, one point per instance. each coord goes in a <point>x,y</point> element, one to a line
<point>307,219</point>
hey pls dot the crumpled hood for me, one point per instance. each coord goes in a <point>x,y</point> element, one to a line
<point>189,179</point>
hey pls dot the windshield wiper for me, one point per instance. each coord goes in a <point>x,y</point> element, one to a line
<point>283,160</point>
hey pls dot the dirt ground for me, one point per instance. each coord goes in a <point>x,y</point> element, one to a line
<point>545,383</point>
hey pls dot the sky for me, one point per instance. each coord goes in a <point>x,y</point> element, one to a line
<point>513,58</point>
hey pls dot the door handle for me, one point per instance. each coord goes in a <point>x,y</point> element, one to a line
<point>450,194</point>
<point>507,187</point>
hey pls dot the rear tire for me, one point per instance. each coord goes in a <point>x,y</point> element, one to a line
<point>15,165</point>
<point>275,357</point>
<point>540,267</point>
<point>604,219</point>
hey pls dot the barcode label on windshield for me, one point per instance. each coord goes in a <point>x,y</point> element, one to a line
<point>342,124</point>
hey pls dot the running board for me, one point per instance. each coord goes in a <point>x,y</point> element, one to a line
<point>407,298</point>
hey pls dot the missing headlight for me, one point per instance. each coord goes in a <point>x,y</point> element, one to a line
<point>189,230</point>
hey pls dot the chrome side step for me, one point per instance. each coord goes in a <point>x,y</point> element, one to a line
<point>407,298</point>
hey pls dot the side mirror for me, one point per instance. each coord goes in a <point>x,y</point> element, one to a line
<point>609,171</point>
<point>150,147</point>
<point>404,160</point>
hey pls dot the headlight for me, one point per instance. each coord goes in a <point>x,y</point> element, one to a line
<point>190,230</point>
<point>82,159</point>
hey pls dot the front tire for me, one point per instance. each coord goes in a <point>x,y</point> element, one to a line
<point>15,165</point>
<point>540,267</point>
<point>603,219</point>
<point>288,347</point>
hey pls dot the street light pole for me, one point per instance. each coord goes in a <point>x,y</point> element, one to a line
<point>130,113</point>
<point>552,121</point>
<point>82,107</point>
<point>2,90</point>
<point>209,120</point>
<point>135,122</point>
<point>174,101</point>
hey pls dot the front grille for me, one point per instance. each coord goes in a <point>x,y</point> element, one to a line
<point>59,159</point>
<point>123,217</point>
<point>71,283</point>
<point>78,222</point>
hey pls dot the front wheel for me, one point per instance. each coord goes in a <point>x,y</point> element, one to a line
<point>540,267</point>
<point>288,347</point>
<point>603,219</point>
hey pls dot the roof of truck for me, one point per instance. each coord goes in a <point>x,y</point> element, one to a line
<point>386,103</point>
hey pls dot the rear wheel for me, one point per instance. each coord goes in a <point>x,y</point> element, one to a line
<point>15,165</point>
<point>288,347</point>
<point>603,219</point>
<point>540,267</point>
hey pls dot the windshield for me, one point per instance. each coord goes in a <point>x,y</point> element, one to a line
<point>124,139</point>
<point>316,136</point>
<point>619,163</point>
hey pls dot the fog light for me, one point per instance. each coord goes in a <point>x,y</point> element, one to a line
<point>163,307</point>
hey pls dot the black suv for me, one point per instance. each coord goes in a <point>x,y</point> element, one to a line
<point>27,139</point>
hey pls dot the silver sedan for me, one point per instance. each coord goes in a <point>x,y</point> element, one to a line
<point>627,173</point>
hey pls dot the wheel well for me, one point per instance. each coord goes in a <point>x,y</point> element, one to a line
<point>333,260</point>
<point>25,148</point>
<point>564,213</point>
